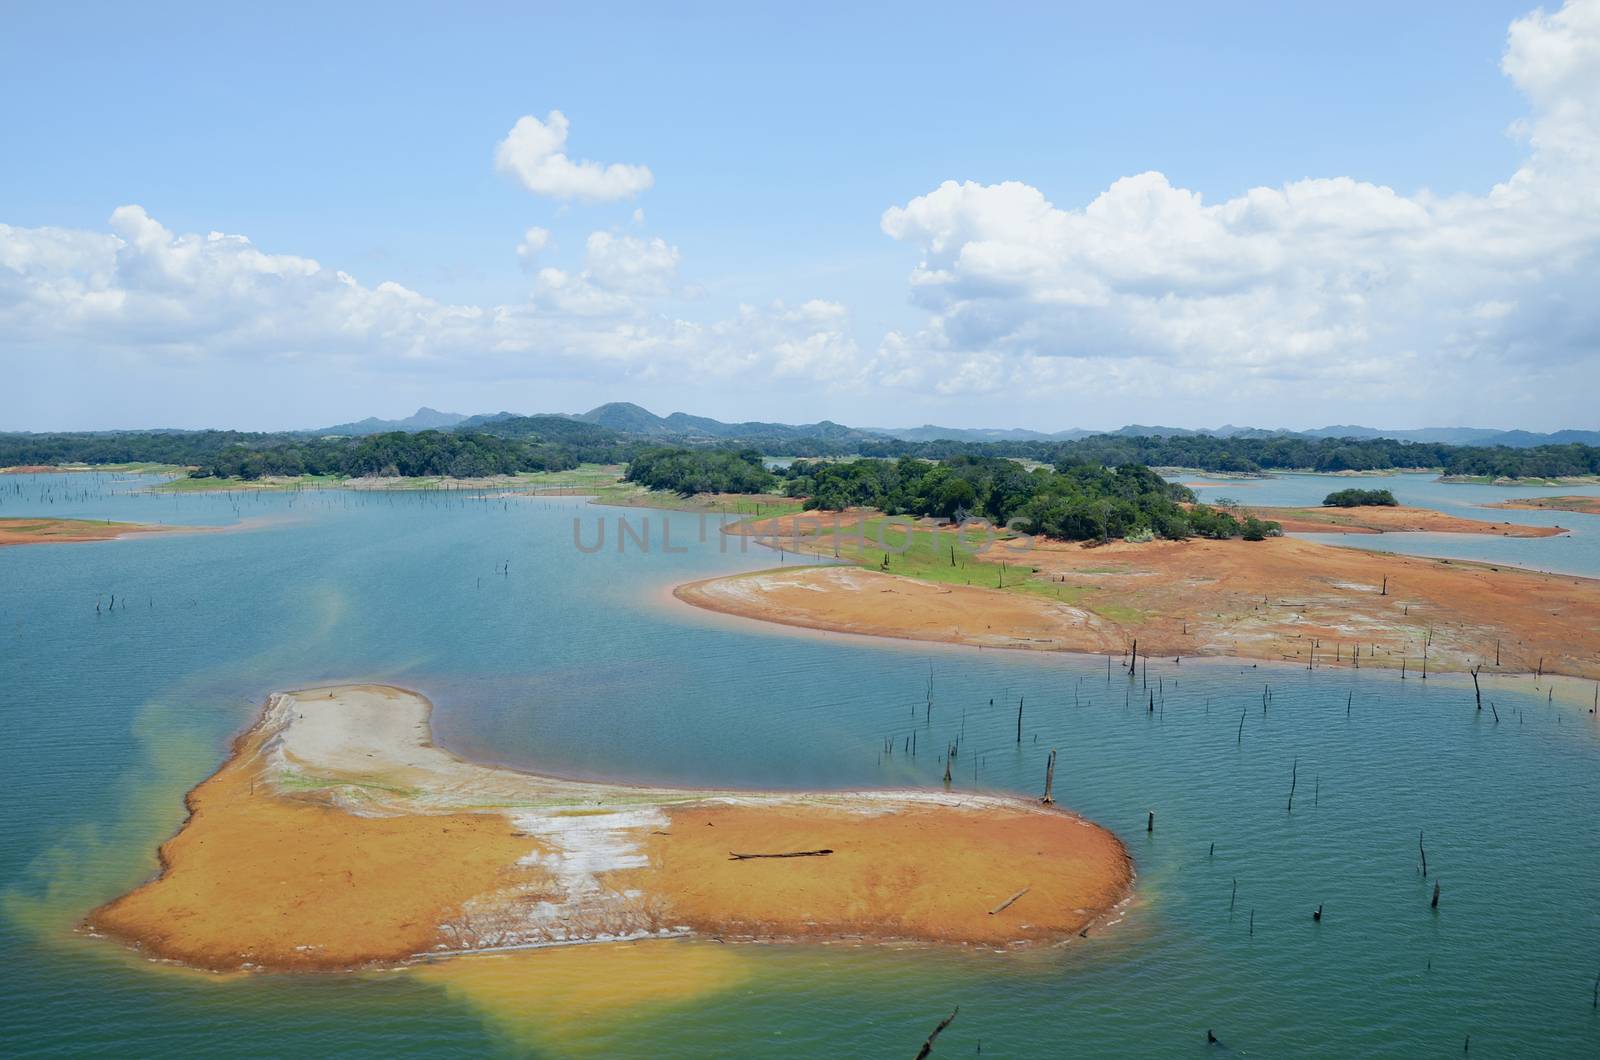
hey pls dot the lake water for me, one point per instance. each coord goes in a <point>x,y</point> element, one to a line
<point>581,664</point>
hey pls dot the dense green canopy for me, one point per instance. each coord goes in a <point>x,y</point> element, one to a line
<point>1354,498</point>
<point>1076,502</point>
<point>689,471</point>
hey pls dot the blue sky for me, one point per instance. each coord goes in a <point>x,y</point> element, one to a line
<point>756,275</point>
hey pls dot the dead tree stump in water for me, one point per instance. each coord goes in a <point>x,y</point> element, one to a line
<point>927,1046</point>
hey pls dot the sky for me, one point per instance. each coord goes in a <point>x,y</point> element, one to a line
<point>1044,216</point>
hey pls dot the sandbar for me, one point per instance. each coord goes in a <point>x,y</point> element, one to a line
<point>32,530</point>
<point>1580,503</point>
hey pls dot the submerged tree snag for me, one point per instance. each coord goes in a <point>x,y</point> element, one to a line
<point>927,1046</point>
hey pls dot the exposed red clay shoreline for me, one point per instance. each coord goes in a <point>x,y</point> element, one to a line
<point>1280,599</point>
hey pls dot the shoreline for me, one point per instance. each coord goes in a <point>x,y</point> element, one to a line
<point>337,836</point>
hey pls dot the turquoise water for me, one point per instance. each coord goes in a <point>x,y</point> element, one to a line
<point>582,664</point>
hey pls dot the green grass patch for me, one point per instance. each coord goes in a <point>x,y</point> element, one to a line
<point>582,477</point>
<point>1118,613</point>
<point>943,555</point>
<point>185,484</point>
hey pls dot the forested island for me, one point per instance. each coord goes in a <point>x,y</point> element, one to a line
<point>530,443</point>
<point>1355,498</point>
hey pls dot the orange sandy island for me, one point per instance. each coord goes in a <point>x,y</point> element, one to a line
<point>34,530</point>
<point>1279,599</point>
<point>1391,519</point>
<point>337,836</point>
<point>1584,505</point>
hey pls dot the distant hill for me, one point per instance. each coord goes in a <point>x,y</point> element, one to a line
<point>624,416</point>
<point>625,419</point>
<point>681,427</point>
<point>475,422</point>
<point>930,433</point>
<point>1460,436</point>
<point>424,419</point>
<point>1441,435</point>
<point>549,428</point>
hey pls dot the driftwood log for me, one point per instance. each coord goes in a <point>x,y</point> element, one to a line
<point>1003,906</point>
<point>787,854</point>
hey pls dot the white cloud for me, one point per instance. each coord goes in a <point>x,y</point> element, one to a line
<point>631,264</point>
<point>618,272</point>
<point>532,153</point>
<point>140,287</point>
<point>534,241</point>
<point>1322,280</point>
<point>158,300</point>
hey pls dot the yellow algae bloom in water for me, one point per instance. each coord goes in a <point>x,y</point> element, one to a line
<point>575,996</point>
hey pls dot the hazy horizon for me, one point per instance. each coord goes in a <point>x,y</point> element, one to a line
<point>735,417</point>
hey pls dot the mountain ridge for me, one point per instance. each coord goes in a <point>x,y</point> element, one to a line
<point>628,418</point>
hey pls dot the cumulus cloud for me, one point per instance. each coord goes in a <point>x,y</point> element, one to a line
<point>533,154</point>
<point>140,287</point>
<point>534,240</point>
<point>632,264</point>
<point>618,272</point>
<point>155,298</point>
<point>1334,279</point>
